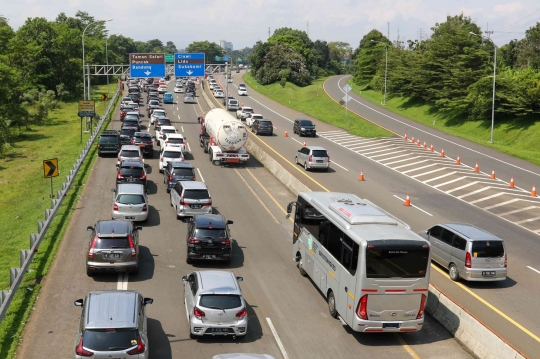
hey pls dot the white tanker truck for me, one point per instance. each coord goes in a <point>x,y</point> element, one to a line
<point>223,137</point>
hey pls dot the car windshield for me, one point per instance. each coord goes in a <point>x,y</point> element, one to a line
<point>108,139</point>
<point>306,123</point>
<point>175,141</point>
<point>128,131</point>
<point>487,249</point>
<point>182,172</point>
<point>132,171</point>
<point>319,153</point>
<point>266,123</point>
<point>111,243</point>
<point>172,154</point>
<point>233,102</point>
<point>143,138</point>
<point>131,117</point>
<point>130,199</point>
<point>129,153</point>
<point>166,122</point>
<point>216,233</point>
<point>220,301</point>
<point>196,194</point>
<point>110,340</point>
<point>168,131</point>
<point>248,110</point>
<point>159,113</point>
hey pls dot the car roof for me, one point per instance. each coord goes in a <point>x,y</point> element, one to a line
<point>158,110</point>
<point>174,135</point>
<point>106,227</point>
<point>218,282</point>
<point>131,164</point>
<point>470,231</point>
<point>111,309</point>
<point>193,184</point>
<point>177,164</point>
<point>168,93</point>
<point>132,188</point>
<point>168,128</point>
<point>129,147</point>
<point>246,108</point>
<point>316,148</point>
<point>143,134</point>
<point>172,149</point>
<point>209,220</point>
<point>304,119</point>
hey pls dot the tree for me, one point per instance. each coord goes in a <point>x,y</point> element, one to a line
<point>368,56</point>
<point>170,48</point>
<point>278,58</point>
<point>210,49</point>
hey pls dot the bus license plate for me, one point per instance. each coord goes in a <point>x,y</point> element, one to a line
<point>390,325</point>
<point>488,274</point>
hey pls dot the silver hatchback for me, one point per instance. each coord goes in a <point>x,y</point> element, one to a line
<point>313,157</point>
<point>190,197</point>
<point>214,304</point>
<point>130,202</point>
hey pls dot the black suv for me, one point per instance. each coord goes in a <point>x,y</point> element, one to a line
<point>177,171</point>
<point>304,127</point>
<point>144,141</point>
<point>162,121</point>
<point>108,142</point>
<point>208,237</point>
<point>126,133</point>
<point>131,172</point>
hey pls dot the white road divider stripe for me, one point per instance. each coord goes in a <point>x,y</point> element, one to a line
<point>334,162</point>
<point>189,148</point>
<point>412,205</point>
<point>122,283</point>
<point>276,336</point>
<point>200,174</point>
<point>536,270</point>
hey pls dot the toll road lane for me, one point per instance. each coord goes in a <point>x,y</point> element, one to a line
<point>383,182</point>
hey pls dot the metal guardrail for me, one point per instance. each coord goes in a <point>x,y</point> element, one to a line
<point>26,255</point>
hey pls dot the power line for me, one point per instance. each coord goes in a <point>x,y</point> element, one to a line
<point>515,22</point>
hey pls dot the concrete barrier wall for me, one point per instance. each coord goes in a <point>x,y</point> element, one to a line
<point>478,338</point>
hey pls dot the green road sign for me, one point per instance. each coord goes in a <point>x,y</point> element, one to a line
<point>169,58</point>
<point>218,58</point>
<point>239,59</point>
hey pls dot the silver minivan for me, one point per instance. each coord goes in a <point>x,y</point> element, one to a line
<point>467,251</point>
<point>190,197</point>
<point>113,324</point>
<point>130,202</point>
<point>313,157</point>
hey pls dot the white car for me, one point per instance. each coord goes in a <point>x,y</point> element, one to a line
<point>250,117</point>
<point>162,89</point>
<point>242,113</point>
<point>232,105</point>
<point>173,140</point>
<point>179,89</point>
<point>212,86</point>
<point>242,91</point>
<point>229,80</point>
<point>188,98</point>
<point>164,129</point>
<point>168,154</point>
<point>156,114</point>
<point>129,153</point>
<point>219,94</point>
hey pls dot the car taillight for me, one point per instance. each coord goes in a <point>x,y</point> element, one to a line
<point>161,158</point>
<point>81,351</point>
<point>170,178</point>
<point>115,206</point>
<point>310,158</point>
<point>119,176</point>
<point>242,313</point>
<point>166,143</point>
<point>198,313</point>
<point>209,202</point>
<point>192,240</point>
<point>118,146</point>
<point>140,347</point>
<point>91,250</point>
<point>422,305</point>
<point>328,157</point>
<point>145,208</point>
<point>143,177</point>
<point>226,242</point>
<point>182,203</point>
<point>132,246</point>
<point>468,260</point>
<point>151,143</point>
<point>506,261</point>
<point>361,309</point>
<point>131,142</point>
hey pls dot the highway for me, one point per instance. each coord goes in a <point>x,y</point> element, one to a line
<point>288,316</point>
<point>441,191</point>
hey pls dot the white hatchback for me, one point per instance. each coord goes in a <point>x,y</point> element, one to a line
<point>168,154</point>
<point>173,140</point>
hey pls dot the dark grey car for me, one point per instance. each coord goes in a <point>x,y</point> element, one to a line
<point>304,127</point>
<point>177,171</point>
<point>262,127</point>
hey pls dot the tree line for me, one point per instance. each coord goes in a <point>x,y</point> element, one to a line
<point>41,64</point>
<point>453,71</point>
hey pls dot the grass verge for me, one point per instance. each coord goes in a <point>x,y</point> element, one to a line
<point>516,138</point>
<point>25,193</point>
<point>313,101</point>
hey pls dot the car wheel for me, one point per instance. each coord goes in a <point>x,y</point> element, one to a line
<point>89,272</point>
<point>191,335</point>
<point>272,133</point>
<point>135,272</point>
<point>305,166</point>
<point>296,160</point>
<point>332,305</point>
<point>189,260</point>
<point>326,169</point>
<point>454,273</point>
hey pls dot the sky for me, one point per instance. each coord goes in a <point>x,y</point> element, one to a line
<point>244,22</point>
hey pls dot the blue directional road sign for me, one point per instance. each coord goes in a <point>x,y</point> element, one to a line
<point>189,64</point>
<point>147,65</point>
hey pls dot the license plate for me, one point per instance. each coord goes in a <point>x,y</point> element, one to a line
<point>488,274</point>
<point>132,180</point>
<point>233,159</point>
<point>220,330</point>
<point>141,145</point>
<point>112,255</point>
<point>196,206</point>
<point>209,256</point>
<point>390,325</point>
<point>319,161</point>
<point>129,217</point>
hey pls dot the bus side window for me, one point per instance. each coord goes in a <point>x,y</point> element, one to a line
<point>349,254</point>
<point>310,218</point>
<point>335,237</point>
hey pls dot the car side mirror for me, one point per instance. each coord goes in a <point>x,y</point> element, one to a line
<point>230,222</point>
<point>78,303</point>
<point>113,190</point>
<point>89,228</point>
<point>139,228</point>
<point>240,279</point>
<point>148,301</point>
<point>184,278</point>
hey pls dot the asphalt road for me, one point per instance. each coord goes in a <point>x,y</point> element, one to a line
<point>276,294</point>
<point>441,191</point>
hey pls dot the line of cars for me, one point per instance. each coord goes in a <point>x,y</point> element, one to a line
<point>113,323</point>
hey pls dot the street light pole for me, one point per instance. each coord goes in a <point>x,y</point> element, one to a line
<point>107,59</point>
<point>494,79</point>
<point>83,58</point>
<point>385,70</point>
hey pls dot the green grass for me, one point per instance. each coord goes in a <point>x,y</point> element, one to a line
<point>24,196</point>
<point>313,101</point>
<point>519,139</point>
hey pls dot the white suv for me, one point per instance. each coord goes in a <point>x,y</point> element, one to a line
<point>168,154</point>
<point>242,90</point>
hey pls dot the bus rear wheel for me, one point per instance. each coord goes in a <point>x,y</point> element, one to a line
<point>332,304</point>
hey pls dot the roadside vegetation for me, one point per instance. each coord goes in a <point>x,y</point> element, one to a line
<point>313,101</point>
<point>24,196</point>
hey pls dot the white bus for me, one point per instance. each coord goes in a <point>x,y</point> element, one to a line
<point>372,269</point>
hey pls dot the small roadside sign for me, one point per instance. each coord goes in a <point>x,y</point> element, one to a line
<point>169,58</point>
<point>50,168</point>
<point>104,97</point>
<point>346,98</point>
<point>87,108</point>
<point>347,88</point>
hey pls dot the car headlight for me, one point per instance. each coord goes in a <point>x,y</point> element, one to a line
<point>302,128</point>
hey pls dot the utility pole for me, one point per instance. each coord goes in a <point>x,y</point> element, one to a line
<point>268,31</point>
<point>308,28</point>
<point>388,34</point>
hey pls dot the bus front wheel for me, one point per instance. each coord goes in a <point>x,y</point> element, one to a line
<point>332,304</point>
<point>303,272</point>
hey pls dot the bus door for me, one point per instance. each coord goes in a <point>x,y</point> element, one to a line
<point>347,282</point>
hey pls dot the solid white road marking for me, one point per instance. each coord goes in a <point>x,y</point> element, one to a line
<point>200,174</point>
<point>528,220</point>
<point>182,127</point>
<point>334,162</point>
<point>536,270</point>
<point>189,148</point>
<point>412,205</point>
<point>178,116</point>
<point>276,336</point>
<point>516,211</point>
<point>294,139</point>
<point>122,281</point>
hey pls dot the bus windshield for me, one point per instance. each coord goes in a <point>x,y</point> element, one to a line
<point>396,259</point>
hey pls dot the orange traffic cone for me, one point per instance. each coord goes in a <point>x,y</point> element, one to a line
<point>511,185</point>
<point>412,139</point>
<point>418,142</point>
<point>405,137</point>
<point>476,169</point>
<point>407,201</point>
<point>431,149</point>
<point>458,161</point>
<point>361,178</point>
<point>286,134</point>
<point>442,152</point>
<point>492,174</point>
<point>304,145</point>
<point>425,146</point>
<point>533,192</point>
